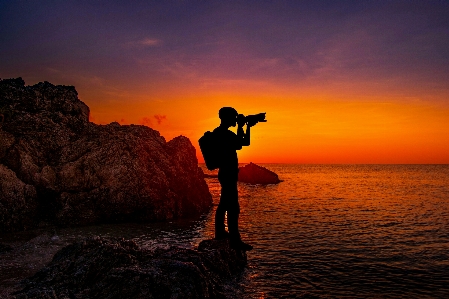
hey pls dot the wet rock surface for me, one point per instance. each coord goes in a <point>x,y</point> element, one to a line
<point>111,268</point>
<point>58,168</point>
<point>5,248</point>
<point>255,174</point>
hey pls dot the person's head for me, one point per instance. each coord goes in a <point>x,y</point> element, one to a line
<point>228,116</point>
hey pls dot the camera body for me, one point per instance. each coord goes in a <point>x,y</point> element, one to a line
<point>251,120</point>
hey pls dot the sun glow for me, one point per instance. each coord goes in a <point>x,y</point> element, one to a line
<point>304,128</point>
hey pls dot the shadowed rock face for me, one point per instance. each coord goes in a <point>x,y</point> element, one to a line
<point>255,174</point>
<point>102,268</point>
<point>56,167</point>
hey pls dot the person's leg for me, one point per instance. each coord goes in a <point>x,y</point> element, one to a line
<point>229,202</point>
<point>233,210</point>
<point>220,231</point>
<point>233,219</point>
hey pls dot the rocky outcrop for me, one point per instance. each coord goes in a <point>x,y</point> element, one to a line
<point>5,248</point>
<point>255,174</point>
<point>102,268</point>
<point>18,201</point>
<point>56,167</point>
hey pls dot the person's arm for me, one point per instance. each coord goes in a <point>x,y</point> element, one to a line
<point>244,138</point>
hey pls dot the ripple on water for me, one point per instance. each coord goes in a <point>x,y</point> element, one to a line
<point>326,231</point>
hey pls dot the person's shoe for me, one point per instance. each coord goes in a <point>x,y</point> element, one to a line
<point>240,245</point>
<point>222,235</point>
<point>245,246</point>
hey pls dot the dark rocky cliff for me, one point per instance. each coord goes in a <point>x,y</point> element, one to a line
<point>56,167</point>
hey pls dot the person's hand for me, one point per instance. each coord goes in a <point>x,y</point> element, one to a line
<point>241,120</point>
<point>252,123</point>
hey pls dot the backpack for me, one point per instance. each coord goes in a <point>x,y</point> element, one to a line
<point>210,149</point>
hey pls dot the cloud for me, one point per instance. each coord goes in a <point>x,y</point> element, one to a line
<point>150,42</point>
<point>146,122</point>
<point>146,42</point>
<point>160,118</point>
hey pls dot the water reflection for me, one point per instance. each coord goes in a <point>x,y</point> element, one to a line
<point>350,231</point>
<point>326,231</point>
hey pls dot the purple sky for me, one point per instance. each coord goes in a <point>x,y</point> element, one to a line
<point>288,42</point>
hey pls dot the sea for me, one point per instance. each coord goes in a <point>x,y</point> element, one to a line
<point>327,231</point>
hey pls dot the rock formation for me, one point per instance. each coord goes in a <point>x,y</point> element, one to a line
<point>5,248</point>
<point>56,167</point>
<point>255,174</point>
<point>103,268</point>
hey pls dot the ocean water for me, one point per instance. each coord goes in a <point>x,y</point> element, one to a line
<point>346,231</point>
<point>326,231</point>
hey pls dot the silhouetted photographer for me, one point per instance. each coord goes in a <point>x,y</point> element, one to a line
<point>219,149</point>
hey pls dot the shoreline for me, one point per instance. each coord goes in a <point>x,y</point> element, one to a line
<point>117,268</point>
<point>33,249</point>
<point>26,252</point>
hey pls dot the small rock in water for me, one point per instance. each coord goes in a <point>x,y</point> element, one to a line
<point>255,174</point>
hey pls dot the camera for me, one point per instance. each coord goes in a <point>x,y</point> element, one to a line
<point>251,120</point>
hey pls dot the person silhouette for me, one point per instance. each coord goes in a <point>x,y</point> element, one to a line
<point>228,169</point>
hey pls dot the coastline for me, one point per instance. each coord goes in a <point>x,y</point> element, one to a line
<point>117,268</point>
<point>58,168</point>
<point>33,250</point>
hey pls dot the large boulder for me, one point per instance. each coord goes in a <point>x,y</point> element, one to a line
<point>255,174</point>
<point>62,169</point>
<point>18,201</point>
<point>105,268</point>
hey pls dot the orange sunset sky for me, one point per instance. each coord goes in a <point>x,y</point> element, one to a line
<point>346,82</point>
